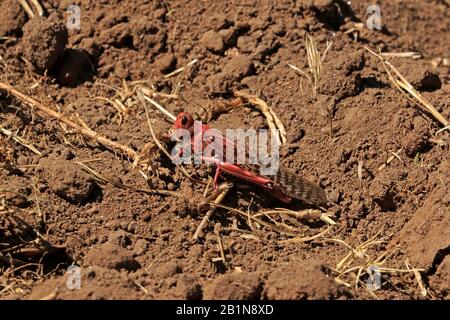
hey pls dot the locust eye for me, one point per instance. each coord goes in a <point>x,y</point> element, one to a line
<point>184,120</point>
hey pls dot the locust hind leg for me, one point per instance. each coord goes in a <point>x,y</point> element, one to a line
<point>216,177</point>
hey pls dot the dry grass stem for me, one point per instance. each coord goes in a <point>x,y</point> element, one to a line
<point>410,54</point>
<point>423,290</point>
<point>21,141</point>
<point>150,92</point>
<point>208,214</point>
<point>261,222</point>
<point>180,69</point>
<point>389,160</point>
<point>169,115</point>
<point>3,39</point>
<point>118,184</point>
<point>307,238</point>
<point>360,169</point>
<point>38,7</point>
<point>442,129</point>
<point>303,73</point>
<point>315,61</point>
<point>127,151</point>
<point>27,8</point>
<point>274,123</point>
<point>411,94</point>
<point>282,227</point>
<point>116,104</point>
<point>222,253</point>
<point>358,264</point>
<point>395,154</point>
<point>301,215</point>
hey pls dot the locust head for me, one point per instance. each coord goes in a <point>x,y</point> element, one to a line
<point>181,132</point>
<point>184,120</point>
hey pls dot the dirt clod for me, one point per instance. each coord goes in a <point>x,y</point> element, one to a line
<point>96,283</point>
<point>187,288</point>
<point>234,71</point>
<point>168,269</point>
<point>305,280</point>
<point>382,191</point>
<point>421,77</point>
<point>428,232</point>
<point>44,42</point>
<point>13,18</point>
<point>329,12</point>
<point>341,77</point>
<point>234,286</point>
<point>440,279</point>
<point>111,256</point>
<point>213,42</point>
<point>166,62</point>
<point>415,141</point>
<point>66,179</point>
<point>229,36</point>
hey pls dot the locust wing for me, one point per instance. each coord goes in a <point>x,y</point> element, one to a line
<point>290,183</point>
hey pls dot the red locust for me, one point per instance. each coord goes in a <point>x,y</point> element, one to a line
<point>283,185</point>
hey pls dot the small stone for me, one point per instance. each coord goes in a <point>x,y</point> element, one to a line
<point>168,269</point>
<point>335,196</point>
<point>239,67</point>
<point>140,247</point>
<point>166,63</point>
<point>229,37</point>
<point>246,44</point>
<point>212,41</point>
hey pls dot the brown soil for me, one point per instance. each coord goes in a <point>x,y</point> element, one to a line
<point>135,245</point>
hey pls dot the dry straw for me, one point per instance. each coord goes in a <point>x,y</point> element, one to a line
<point>315,60</point>
<point>274,123</point>
<point>37,6</point>
<point>408,90</point>
<point>358,262</point>
<point>83,129</point>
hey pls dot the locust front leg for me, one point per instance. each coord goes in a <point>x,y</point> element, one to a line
<point>218,164</point>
